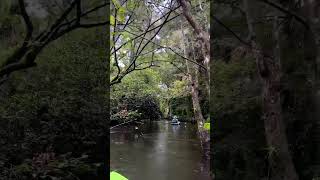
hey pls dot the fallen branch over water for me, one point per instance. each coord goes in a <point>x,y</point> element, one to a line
<point>122,124</point>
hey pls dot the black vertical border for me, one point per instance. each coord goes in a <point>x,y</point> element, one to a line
<point>107,66</point>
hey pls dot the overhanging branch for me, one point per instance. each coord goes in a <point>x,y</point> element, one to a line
<point>24,57</point>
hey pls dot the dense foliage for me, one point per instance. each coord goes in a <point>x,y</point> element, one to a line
<point>148,57</point>
<point>239,128</point>
<point>53,117</point>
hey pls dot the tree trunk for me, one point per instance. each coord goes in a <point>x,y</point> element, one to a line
<point>282,167</point>
<point>193,79</point>
<point>203,37</point>
<point>281,164</point>
<point>203,133</point>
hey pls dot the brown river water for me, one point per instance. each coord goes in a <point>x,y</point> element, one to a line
<point>163,152</point>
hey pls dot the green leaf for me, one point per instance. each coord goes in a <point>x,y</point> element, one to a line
<point>122,14</point>
<point>116,3</point>
<point>207,126</point>
<point>112,20</point>
<point>131,4</point>
<point>125,35</point>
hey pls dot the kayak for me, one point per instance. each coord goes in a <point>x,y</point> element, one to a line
<point>175,123</point>
<point>116,176</point>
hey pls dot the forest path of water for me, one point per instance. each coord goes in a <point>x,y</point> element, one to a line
<point>164,152</point>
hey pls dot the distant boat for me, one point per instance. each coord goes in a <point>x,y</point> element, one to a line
<point>175,121</point>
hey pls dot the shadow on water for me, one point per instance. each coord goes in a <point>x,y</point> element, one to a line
<point>164,152</point>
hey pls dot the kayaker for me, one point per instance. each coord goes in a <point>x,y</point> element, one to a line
<point>137,131</point>
<point>175,121</point>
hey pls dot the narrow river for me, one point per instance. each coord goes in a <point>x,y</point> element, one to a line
<point>164,152</point>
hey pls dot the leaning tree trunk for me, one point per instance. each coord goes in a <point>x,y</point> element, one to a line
<point>202,36</point>
<point>193,80</point>
<point>280,160</point>
<point>203,133</point>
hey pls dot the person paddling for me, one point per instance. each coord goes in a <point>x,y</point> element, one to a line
<point>137,131</point>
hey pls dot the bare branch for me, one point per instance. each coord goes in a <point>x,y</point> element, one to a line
<point>170,19</point>
<point>229,30</point>
<point>55,27</point>
<point>287,11</point>
<point>133,63</point>
<point>78,11</point>
<point>24,57</point>
<point>26,18</point>
<point>94,24</point>
<point>114,40</point>
<point>172,50</point>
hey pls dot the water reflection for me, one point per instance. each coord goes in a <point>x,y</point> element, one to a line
<point>164,152</point>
